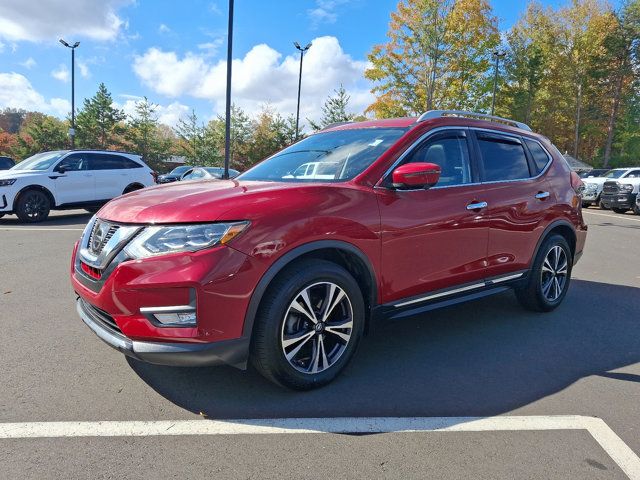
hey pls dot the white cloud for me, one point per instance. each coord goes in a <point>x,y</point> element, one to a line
<point>61,73</point>
<point>167,114</point>
<point>215,9</point>
<point>29,63</point>
<point>49,19</point>
<point>262,76</point>
<point>325,11</point>
<point>17,92</point>
<point>211,48</point>
<point>163,29</point>
<point>84,69</point>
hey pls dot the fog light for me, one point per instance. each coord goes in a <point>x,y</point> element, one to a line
<point>178,316</point>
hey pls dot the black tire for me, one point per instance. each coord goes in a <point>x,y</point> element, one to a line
<point>636,209</point>
<point>132,188</point>
<point>620,210</point>
<point>33,206</point>
<point>1,215</point>
<point>602,205</point>
<point>585,205</point>
<point>532,295</point>
<point>277,318</point>
<point>93,209</point>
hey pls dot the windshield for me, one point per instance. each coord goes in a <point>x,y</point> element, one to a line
<point>40,161</point>
<point>180,170</point>
<point>614,173</point>
<point>326,157</point>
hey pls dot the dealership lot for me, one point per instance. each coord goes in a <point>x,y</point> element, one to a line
<point>483,359</point>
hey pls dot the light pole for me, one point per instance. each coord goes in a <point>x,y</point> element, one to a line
<point>227,124</point>
<point>498,54</point>
<point>72,130</point>
<point>302,51</point>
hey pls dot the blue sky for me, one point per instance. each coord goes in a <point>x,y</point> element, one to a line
<point>173,52</point>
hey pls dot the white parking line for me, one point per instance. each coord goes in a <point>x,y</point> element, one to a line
<point>619,452</point>
<point>619,217</point>
<point>41,229</point>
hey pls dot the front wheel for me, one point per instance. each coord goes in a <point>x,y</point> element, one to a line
<point>308,326</point>
<point>602,206</point>
<point>636,209</point>
<point>620,210</point>
<point>549,277</point>
<point>33,206</point>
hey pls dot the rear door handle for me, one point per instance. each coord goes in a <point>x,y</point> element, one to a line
<point>542,195</point>
<point>477,206</point>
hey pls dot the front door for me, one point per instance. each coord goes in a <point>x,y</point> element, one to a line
<point>73,180</point>
<point>434,239</point>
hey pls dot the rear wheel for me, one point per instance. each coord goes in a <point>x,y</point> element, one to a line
<point>33,206</point>
<point>309,324</point>
<point>602,205</point>
<point>131,188</point>
<point>636,209</point>
<point>620,210</point>
<point>549,278</point>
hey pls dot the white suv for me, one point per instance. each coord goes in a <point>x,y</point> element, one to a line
<point>593,185</point>
<point>68,179</point>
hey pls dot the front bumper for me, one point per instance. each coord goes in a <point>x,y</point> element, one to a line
<point>619,200</point>
<point>230,352</point>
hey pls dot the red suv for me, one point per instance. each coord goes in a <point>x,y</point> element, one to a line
<point>289,263</point>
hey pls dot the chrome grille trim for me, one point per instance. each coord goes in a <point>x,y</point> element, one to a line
<point>114,238</point>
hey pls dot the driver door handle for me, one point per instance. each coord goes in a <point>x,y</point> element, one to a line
<point>477,206</point>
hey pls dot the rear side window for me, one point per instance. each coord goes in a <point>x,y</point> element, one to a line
<point>101,161</point>
<point>539,154</point>
<point>503,158</point>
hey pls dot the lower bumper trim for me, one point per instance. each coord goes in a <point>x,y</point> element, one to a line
<point>229,352</point>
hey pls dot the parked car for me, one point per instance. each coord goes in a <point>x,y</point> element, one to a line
<point>288,273</point>
<point>593,186</point>
<point>205,173</point>
<point>68,179</point>
<point>596,172</point>
<point>6,163</point>
<point>174,175</point>
<point>636,207</point>
<point>314,171</point>
<point>620,195</point>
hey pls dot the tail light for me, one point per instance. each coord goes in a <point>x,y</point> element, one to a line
<point>576,183</point>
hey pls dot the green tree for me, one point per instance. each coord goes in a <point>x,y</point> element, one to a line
<point>334,110</point>
<point>99,124</point>
<point>40,133</point>
<point>195,142</point>
<point>270,133</point>
<point>241,134</point>
<point>144,136</point>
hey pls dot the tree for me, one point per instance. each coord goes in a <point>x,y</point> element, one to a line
<point>437,56</point>
<point>40,133</point>
<point>8,142</point>
<point>195,142</point>
<point>11,119</point>
<point>99,123</point>
<point>144,136</point>
<point>334,110</point>
<point>241,133</point>
<point>270,133</point>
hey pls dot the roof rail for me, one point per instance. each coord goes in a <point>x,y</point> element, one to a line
<point>336,124</point>
<point>482,116</point>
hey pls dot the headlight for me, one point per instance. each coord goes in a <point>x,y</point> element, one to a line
<point>626,187</point>
<point>7,182</point>
<point>590,186</point>
<point>161,240</point>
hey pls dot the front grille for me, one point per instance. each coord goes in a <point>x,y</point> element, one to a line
<point>101,317</point>
<point>103,231</point>
<point>610,188</point>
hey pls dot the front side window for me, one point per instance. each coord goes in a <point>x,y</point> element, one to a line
<point>614,173</point>
<point>503,158</point>
<point>634,174</point>
<point>450,152</point>
<point>326,157</point>
<point>74,163</point>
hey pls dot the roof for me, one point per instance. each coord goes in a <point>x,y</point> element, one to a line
<point>383,123</point>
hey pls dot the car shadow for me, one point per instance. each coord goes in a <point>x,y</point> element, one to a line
<point>477,359</point>
<point>58,220</point>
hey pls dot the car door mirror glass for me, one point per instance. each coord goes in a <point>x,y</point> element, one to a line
<point>416,175</point>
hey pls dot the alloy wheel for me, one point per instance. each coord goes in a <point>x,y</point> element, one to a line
<point>317,327</point>
<point>554,273</point>
<point>35,206</point>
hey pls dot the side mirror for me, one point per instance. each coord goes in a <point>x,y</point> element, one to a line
<point>61,169</point>
<point>416,175</point>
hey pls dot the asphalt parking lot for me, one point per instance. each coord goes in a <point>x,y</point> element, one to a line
<point>484,359</point>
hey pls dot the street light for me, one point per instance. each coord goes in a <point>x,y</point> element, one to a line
<point>302,51</point>
<point>227,123</point>
<point>72,130</point>
<point>498,54</point>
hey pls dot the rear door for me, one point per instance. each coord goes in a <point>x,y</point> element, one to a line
<point>517,193</point>
<point>434,239</point>
<point>113,174</point>
<point>73,179</point>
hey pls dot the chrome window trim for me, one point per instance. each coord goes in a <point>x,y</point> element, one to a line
<point>426,135</point>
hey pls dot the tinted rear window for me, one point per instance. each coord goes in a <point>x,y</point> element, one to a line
<point>502,158</point>
<point>539,154</point>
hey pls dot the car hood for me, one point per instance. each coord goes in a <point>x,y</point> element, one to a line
<point>20,173</point>
<point>197,201</point>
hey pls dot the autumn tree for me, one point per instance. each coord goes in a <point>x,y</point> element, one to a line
<point>99,123</point>
<point>271,132</point>
<point>40,133</point>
